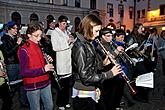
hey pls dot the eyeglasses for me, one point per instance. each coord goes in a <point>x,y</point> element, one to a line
<point>38,35</point>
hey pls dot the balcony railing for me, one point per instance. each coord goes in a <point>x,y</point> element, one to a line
<point>160,18</point>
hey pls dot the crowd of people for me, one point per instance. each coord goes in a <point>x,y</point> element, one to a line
<point>95,66</point>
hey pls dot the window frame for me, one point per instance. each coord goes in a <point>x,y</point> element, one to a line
<point>110,9</point>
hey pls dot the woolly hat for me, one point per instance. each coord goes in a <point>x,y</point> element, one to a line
<point>10,24</point>
<point>105,31</point>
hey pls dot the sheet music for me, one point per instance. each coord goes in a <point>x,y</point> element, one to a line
<point>23,30</point>
<point>145,80</point>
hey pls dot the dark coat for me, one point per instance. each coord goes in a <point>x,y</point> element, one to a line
<point>9,49</point>
<point>87,67</point>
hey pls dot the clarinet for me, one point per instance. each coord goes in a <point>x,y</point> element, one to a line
<point>54,72</point>
<point>123,75</point>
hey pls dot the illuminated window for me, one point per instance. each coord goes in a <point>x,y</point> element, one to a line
<point>163,28</point>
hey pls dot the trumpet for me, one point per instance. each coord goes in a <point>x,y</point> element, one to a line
<point>140,54</point>
<point>124,55</point>
<point>123,75</point>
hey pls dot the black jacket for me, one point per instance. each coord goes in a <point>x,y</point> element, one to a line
<point>87,66</point>
<point>9,49</point>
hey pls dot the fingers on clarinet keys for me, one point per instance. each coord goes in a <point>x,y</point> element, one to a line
<point>116,70</point>
<point>50,59</point>
<point>49,67</point>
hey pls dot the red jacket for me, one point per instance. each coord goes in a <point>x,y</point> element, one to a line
<point>32,66</point>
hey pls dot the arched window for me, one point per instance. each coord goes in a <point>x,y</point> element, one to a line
<point>34,17</point>
<point>77,21</point>
<point>16,17</point>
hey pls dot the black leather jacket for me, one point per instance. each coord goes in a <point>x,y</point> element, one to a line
<point>87,67</point>
<point>9,49</point>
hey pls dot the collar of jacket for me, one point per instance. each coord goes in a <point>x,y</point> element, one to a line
<point>82,38</point>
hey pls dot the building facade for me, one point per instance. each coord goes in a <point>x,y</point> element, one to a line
<point>115,13</point>
<point>151,13</point>
<point>24,11</point>
<point>126,13</point>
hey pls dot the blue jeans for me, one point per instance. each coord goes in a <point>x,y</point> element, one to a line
<point>13,75</point>
<point>13,72</point>
<point>46,98</point>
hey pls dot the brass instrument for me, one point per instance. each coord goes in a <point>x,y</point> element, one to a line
<point>123,55</point>
<point>123,75</point>
<point>140,53</point>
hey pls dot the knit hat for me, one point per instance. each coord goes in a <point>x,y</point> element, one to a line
<point>105,31</point>
<point>10,25</point>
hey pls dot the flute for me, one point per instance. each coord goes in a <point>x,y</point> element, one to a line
<point>111,58</point>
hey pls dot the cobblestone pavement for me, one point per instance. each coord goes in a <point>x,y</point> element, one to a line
<point>156,98</point>
<point>156,95</point>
